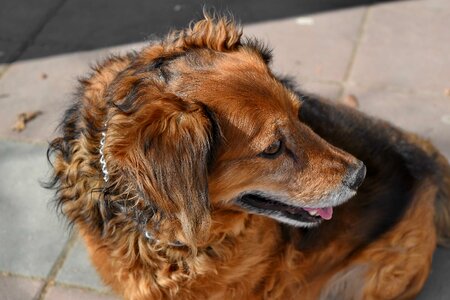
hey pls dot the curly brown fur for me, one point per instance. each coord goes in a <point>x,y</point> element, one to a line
<point>211,160</point>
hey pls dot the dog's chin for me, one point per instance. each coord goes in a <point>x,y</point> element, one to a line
<point>275,208</point>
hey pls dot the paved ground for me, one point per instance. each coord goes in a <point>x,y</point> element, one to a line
<point>395,57</point>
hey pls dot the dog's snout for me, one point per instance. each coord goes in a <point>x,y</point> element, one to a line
<point>355,175</point>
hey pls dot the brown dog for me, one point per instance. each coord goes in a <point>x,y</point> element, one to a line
<point>193,172</point>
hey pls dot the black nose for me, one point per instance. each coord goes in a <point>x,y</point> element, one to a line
<point>355,176</point>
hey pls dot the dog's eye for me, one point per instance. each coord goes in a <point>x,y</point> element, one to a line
<point>273,150</point>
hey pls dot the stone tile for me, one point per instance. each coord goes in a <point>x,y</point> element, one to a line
<point>427,115</point>
<point>330,91</point>
<point>147,18</point>
<point>38,51</point>
<point>117,22</point>
<point>437,287</point>
<point>8,50</point>
<point>31,235</point>
<point>20,18</point>
<point>45,84</point>
<point>315,46</point>
<point>66,293</point>
<point>406,45</point>
<point>78,270</point>
<point>114,22</point>
<point>17,288</point>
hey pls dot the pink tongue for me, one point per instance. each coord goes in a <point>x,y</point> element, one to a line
<point>325,213</point>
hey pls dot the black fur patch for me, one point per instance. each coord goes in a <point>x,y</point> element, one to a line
<point>127,104</point>
<point>216,135</point>
<point>63,146</point>
<point>288,82</point>
<point>264,51</point>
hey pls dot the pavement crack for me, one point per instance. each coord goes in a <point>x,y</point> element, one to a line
<point>33,35</point>
<point>361,33</point>
<point>51,278</point>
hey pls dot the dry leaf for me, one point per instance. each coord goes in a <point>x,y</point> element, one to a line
<point>447,92</point>
<point>23,119</point>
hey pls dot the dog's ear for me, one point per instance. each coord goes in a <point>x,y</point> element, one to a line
<point>163,146</point>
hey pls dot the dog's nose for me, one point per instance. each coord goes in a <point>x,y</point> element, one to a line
<point>355,175</point>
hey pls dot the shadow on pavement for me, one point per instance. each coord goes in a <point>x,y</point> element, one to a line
<point>30,29</point>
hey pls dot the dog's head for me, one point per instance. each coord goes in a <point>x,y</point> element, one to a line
<point>198,121</point>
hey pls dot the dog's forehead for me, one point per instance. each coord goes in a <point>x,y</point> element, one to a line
<point>252,108</point>
<point>238,80</point>
<point>238,86</point>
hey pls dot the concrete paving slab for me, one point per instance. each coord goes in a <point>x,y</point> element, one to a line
<point>40,51</point>
<point>8,50</point>
<point>78,270</point>
<point>45,85</point>
<point>317,46</point>
<point>406,45</point>
<point>19,19</point>
<point>31,235</point>
<point>330,91</point>
<point>66,293</point>
<point>17,288</point>
<point>85,24</point>
<point>425,114</point>
<point>103,23</point>
<point>437,287</point>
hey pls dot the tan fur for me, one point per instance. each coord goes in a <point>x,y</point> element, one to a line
<point>183,139</point>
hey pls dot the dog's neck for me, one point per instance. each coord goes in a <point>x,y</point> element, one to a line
<point>104,169</point>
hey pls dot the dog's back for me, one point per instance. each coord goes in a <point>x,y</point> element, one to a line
<point>442,177</point>
<point>407,184</point>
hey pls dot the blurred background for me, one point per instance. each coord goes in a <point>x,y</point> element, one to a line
<point>394,56</point>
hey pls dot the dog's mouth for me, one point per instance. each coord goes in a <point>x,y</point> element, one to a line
<point>294,215</point>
